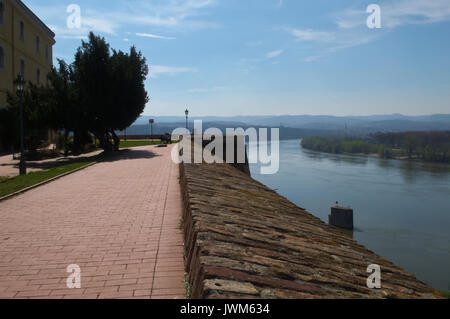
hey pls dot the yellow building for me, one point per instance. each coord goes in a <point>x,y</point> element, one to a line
<point>25,46</point>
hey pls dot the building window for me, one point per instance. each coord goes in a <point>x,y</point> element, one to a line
<point>46,51</point>
<point>22,30</point>
<point>38,76</point>
<point>2,12</point>
<point>2,58</point>
<point>22,67</point>
<point>38,44</point>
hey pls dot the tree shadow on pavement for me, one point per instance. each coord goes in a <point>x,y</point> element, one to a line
<point>126,154</point>
<point>130,154</point>
<point>47,164</point>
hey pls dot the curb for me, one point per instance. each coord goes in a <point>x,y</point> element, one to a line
<point>44,182</point>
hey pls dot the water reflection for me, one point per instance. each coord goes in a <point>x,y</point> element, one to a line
<point>360,160</point>
<point>411,170</point>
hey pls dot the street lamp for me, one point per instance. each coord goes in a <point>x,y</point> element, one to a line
<point>187,114</point>
<point>19,85</point>
<point>151,121</point>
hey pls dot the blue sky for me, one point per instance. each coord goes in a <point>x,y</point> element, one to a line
<point>273,57</point>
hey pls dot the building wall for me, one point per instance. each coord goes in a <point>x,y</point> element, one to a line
<point>16,49</point>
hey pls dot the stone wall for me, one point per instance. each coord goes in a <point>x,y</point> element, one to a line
<point>243,240</point>
<point>238,143</point>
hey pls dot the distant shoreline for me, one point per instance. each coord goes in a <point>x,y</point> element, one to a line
<point>398,158</point>
<point>427,147</point>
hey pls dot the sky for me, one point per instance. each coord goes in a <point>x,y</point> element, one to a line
<point>273,57</point>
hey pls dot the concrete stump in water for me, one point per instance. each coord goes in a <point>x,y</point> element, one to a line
<point>341,217</point>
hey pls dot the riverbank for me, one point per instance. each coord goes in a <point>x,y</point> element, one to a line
<point>387,146</point>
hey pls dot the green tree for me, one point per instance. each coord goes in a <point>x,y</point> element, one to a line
<point>36,112</point>
<point>110,88</point>
<point>65,108</point>
<point>9,128</point>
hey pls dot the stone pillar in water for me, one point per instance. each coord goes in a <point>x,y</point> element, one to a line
<point>341,217</point>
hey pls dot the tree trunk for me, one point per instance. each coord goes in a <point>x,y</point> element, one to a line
<point>66,141</point>
<point>116,141</point>
<point>104,141</point>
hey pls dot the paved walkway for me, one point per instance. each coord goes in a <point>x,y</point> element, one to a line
<point>118,220</point>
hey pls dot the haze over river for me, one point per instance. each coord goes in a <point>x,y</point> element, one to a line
<point>401,208</point>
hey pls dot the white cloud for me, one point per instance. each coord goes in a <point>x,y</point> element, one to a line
<point>90,21</point>
<point>334,40</point>
<point>274,54</point>
<point>158,70</point>
<point>178,15</point>
<point>154,36</point>
<point>66,33</point>
<point>312,35</point>
<point>98,24</point>
<point>398,13</point>
<point>248,64</point>
<point>352,30</point>
<point>312,58</point>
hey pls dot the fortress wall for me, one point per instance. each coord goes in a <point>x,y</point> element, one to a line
<point>243,240</point>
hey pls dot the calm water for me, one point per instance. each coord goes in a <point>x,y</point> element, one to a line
<point>401,208</point>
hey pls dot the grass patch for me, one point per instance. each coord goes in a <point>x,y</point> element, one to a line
<point>126,144</point>
<point>187,286</point>
<point>446,294</point>
<point>14,184</point>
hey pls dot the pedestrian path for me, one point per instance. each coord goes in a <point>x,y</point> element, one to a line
<point>118,220</point>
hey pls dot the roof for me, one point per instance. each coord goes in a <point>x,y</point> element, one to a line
<point>27,11</point>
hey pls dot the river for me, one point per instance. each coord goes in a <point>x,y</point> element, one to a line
<point>401,208</point>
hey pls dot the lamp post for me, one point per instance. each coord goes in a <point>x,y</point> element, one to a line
<point>187,114</point>
<point>151,121</point>
<point>19,84</point>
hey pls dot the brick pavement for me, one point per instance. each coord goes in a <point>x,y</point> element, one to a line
<point>119,220</point>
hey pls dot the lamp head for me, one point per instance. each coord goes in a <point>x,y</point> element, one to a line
<point>19,84</point>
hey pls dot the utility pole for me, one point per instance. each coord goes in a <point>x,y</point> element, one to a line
<point>19,84</point>
<point>187,114</point>
<point>151,127</point>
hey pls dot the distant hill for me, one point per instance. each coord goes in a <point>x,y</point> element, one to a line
<point>285,132</point>
<point>349,124</point>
